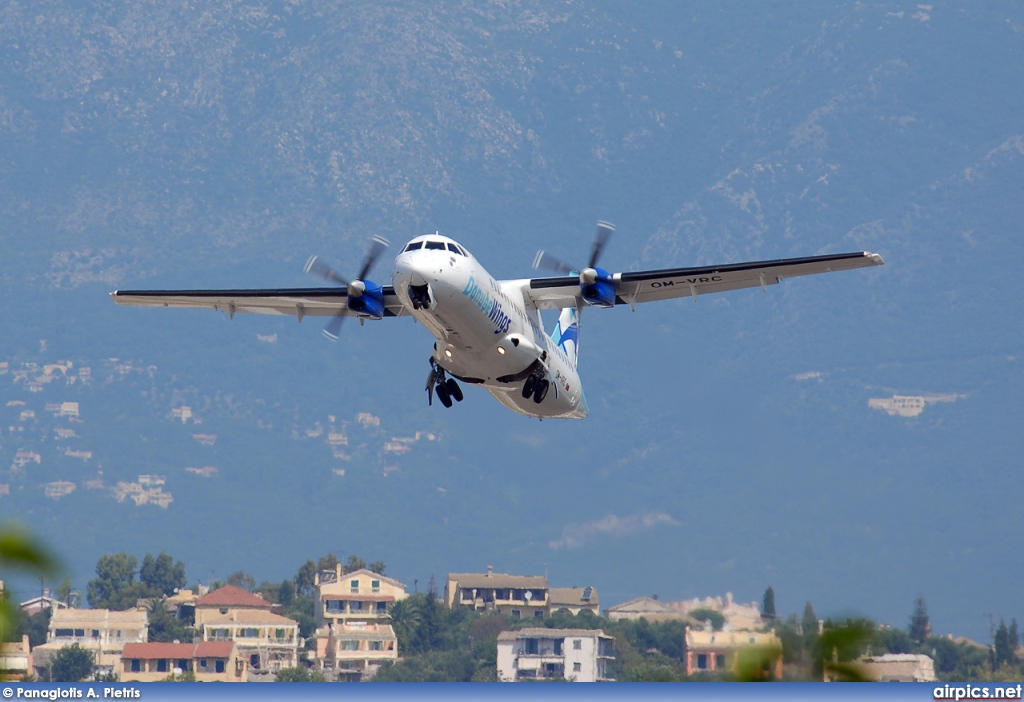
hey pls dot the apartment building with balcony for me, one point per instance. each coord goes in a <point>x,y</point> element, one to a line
<point>359,596</point>
<point>266,641</point>
<point>520,596</point>
<point>575,655</point>
<point>353,651</point>
<point>104,632</point>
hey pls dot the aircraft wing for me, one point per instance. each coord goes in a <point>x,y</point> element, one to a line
<point>648,286</point>
<point>296,302</point>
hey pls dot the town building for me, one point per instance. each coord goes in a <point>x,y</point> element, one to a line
<point>353,651</point>
<point>898,667</point>
<point>573,600</point>
<point>576,655</point>
<point>722,651</point>
<point>267,641</point>
<point>15,659</point>
<point>738,616</point>
<point>644,608</point>
<point>104,632</point>
<point>520,596</point>
<point>359,596</point>
<point>209,661</point>
<point>41,604</point>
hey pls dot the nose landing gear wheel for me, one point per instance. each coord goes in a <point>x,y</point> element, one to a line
<point>443,395</point>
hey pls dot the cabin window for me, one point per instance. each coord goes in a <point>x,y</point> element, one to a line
<point>414,246</point>
<point>434,245</point>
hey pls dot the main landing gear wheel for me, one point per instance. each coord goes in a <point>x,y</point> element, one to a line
<point>540,391</point>
<point>453,389</point>
<point>528,386</point>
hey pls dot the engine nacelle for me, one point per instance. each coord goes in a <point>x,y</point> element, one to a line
<point>519,352</point>
<point>597,287</point>
<point>370,300</point>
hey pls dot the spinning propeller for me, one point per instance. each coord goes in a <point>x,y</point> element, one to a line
<point>596,283</point>
<point>364,296</point>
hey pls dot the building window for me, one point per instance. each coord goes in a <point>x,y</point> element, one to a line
<point>349,645</point>
<point>382,608</point>
<point>355,606</point>
<point>219,634</point>
<point>334,606</point>
<point>376,645</point>
<point>720,661</point>
<point>219,666</point>
<point>577,644</point>
<point>64,633</point>
<point>250,632</point>
<point>136,665</point>
<point>95,633</point>
<point>517,613</point>
<point>161,665</point>
<point>183,665</point>
<point>203,664</point>
<point>577,667</point>
<point>281,634</point>
<point>702,661</point>
<point>375,585</point>
<point>538,614</point>
<point>354,584</point>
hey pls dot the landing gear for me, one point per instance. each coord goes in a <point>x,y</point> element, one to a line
<point>419,295</point>
<point>446,388</point>
<point>537,386</point>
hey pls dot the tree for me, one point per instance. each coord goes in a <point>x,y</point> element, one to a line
<point>405,620</point>
<point>809,625</point>
<point>298,674</point>
<point>354,563</point>
<point>717,619</point>
<point>165,626</point>
<point>768,605</point>
<point>1014,636</point>
<point>71,664</point>
<point>243,580</point>
<point>920,626</point>
<point>377,567</point>
<point>63,591</point>
<point>305,579</point>
<point>1004,651</point>
<point>162,574</point>
<point>114,586</point>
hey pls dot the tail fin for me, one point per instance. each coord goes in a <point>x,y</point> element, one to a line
<point>567,333</point>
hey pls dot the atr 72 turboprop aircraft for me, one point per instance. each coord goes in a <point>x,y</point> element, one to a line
<point>489,332</point>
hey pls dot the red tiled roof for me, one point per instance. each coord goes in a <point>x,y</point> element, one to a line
<point>204,649</point>
<point>231,596</point>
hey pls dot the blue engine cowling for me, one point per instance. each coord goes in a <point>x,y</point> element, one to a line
<point>597,287</point>
<point>370,303</point>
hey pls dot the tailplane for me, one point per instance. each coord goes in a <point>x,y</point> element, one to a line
<point>567,333</point>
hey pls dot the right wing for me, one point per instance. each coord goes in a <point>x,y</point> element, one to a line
<point>649,286</point>
<point>297,302</point>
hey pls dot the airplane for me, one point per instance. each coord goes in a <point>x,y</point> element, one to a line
<point>489,332</point>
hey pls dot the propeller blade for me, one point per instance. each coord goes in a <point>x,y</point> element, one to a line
<point>546,260</point>
<point>604,230</point>
<point>315,266</point>
<point>377,245</point>
<point>333,328</point>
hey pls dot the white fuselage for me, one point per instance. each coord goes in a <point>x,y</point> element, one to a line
<point>485,333</point>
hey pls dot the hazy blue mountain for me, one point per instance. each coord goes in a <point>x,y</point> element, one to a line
<point>730,445</point>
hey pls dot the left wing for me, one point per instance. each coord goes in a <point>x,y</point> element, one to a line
<point>296,302</point>
<point>649,286</point>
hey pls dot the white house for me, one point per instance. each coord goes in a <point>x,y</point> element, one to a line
<point>578,655</point>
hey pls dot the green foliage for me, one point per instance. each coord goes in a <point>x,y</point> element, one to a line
<point>162,574</point>
<point>768,604</point>
<point>709,615</point>
<point>920,626</point>
<point>19,551</point>
<point>242,580</point>
<point>299,674</point>
<point>165,626</point>
<point>431,666</point>
<point>892,640</point>
<point>71,664</point>
<point>839,644</point>
<point>114,586</point>
<point>809,626</point>
<point>36,626</point>
<point>1003,651</point>
<point>186,676</point>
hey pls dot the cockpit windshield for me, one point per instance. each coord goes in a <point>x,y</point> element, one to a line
<point>434,245</point>
<point>414,245</point>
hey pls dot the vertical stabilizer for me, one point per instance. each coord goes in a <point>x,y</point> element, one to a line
<point>567,333</point>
